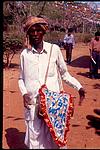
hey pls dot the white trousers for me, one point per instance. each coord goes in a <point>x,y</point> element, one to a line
<point>38,135</point>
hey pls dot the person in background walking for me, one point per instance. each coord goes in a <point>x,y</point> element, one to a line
<point>94,48</point>
<point>69,43</point>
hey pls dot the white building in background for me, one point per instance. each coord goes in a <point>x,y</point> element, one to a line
<point>95,5</point>
<point>98,9</point>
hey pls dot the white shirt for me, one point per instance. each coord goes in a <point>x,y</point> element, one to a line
<point>69,39</point>
<point>33,66</point>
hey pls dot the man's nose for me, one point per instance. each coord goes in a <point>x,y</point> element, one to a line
<point>35,32</point>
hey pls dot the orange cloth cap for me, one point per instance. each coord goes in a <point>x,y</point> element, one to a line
<point>35,20</point>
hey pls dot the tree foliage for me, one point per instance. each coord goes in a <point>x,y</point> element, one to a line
<point>11,45</point>
<point>61,15</point>
<point>14,14</point>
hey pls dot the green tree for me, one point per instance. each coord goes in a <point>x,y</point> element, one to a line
<point>11,45</point>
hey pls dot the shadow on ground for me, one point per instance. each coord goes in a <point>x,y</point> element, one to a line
<point>12,117</point>
<point>94,122</point>
<point>82,62</point>
<point>86,74</point>
<point>96,86</point>
<point>15,138</point>
<point>12,65</point>
<point>75,125</point>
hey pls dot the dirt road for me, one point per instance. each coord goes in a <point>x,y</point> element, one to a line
<point>84,126</point>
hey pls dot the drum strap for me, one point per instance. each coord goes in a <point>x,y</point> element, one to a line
<point>59,77</point>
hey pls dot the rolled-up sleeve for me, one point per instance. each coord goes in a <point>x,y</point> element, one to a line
<point>65,75</point>
<point>21,76</point>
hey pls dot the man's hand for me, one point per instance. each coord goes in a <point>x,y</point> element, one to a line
<point>82,95</point>
<point>26,100</point>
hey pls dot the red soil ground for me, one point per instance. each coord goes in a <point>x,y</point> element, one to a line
<point>84,126</point>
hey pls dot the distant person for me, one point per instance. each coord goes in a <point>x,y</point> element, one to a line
<point>69,43</point>
<point>94,48</point>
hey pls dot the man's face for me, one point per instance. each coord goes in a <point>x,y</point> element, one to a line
<point>69,33</point>
<point>36,34</point>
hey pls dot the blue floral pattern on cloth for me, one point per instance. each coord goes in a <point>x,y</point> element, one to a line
<point>57,107</point>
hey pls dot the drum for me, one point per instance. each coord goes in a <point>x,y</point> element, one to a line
<point>57,109</point>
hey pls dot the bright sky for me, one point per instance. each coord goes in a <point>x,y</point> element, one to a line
<point>96,2</point>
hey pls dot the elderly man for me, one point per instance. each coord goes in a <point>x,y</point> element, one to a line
<point>33,65</point>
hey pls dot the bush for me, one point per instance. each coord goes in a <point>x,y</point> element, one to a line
<point>11,45</point>
<point>83,37</point>
<point>54,36</point>
<point>87,38</point>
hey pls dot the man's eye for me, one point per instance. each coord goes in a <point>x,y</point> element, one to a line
<point>35,31</point>
<point>38,30</point>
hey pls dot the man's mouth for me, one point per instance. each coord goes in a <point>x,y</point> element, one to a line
<point>35,38</point>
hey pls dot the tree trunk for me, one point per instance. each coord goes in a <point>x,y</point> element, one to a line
<point>42,8</point>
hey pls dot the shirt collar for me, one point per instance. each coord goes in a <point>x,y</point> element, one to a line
<point>35,51</point>
<point>43,50</point>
